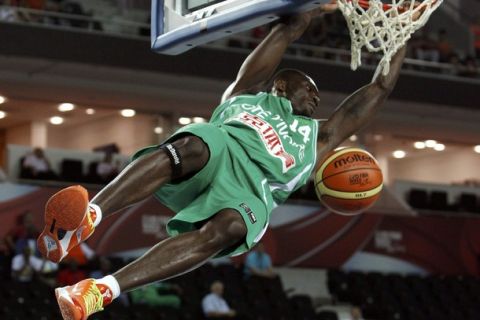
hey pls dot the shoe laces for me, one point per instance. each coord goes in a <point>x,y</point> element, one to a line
<point>91,217</point>
<point>93,299</point>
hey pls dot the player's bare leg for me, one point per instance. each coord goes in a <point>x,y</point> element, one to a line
<point>71,219</point>
<point>185,252</point>
<point>171,257</point>
<point>145,175</point>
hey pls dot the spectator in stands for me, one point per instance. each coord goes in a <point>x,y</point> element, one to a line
<point>475,29</point>
<point>315,35</point>
<point>258,263</point>
<point>469,68</point>
<point>343,57</point>
<point>22,234</point>
<point>356,313</point>
<point>214,305</point>
<point>258,34</point>
<point>425,48</point>
<point>74,8</point>
<point>337,30</point>
<point>456,64</point>
<point>158,295</point>
<point>444,46</point>
<point>25,266</point>
<point>70,274</point>
<point>3,176</point>
<point>35,4</point>
<point>5,260</point>
<point>52,6</point>
<point>107,169</point>
<point>317,32</point>
<point>36,166</point>
<point>8,12</point>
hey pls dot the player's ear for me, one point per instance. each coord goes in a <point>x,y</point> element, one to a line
<point>279,88</point>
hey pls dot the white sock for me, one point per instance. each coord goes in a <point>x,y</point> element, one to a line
<point>98,211</point>
<point>112,283</point>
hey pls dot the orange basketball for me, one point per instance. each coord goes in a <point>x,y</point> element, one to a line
<point>349,181</point>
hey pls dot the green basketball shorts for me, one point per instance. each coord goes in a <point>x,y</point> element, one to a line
<point>228,180</point>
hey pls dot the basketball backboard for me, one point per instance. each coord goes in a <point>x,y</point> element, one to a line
<point>180,25</point>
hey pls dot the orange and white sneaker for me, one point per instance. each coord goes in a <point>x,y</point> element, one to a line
<point>69,220</point>
<point>79,301</point>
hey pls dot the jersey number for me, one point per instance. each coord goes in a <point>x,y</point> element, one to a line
<point>303,130</point>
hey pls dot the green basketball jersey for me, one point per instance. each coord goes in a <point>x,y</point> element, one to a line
<point>281,144</point>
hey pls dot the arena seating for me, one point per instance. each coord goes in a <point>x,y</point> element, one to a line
<point>253,299</point>
<point>412,297</point>
<point>380,296</point>
<point>327,315</point>
<point>418,198</point>
<point>27,301</point>
<point>468,202</point>
<point>129,18</point>
<point>71,170</point>
<point>437,200</point>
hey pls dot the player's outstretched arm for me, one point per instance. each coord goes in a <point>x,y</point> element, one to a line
<point>260,65</point>
<point>359,108</point>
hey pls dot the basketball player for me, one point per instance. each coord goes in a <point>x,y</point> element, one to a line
<point>222,178</point>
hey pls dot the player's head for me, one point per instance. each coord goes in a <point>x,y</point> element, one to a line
<point>217,288</point>
<point>260,247</point>
<point>38,152</point>
<point>299,88</point>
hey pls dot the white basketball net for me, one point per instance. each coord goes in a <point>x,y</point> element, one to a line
<point>383,30</point>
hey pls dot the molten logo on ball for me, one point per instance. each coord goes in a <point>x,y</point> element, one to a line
<point>349,181</point>
<point>352,159</point>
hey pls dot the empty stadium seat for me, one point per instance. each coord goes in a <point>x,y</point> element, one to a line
<point>467,202</point>
<point>439,201</point>
<point>327,315</point>
<point>92,176</point>
<point>71,170</point>
<point>418,198</point>
<point>302,307</point>
<point>412,297</point>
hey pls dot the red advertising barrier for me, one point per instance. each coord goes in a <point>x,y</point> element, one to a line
<point>319,239</point>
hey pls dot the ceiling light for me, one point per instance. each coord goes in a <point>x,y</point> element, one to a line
<point>3,114</point>
<point>199,119</point>
<point>64,107</point>
<point>377,137</point>
<point>419,145</point>
<point>439,147</point>
<point>353,138</point>
<point>56,120</point>
<point>184,120</point>
<point>127,113</point>
<point>90,111</point>
<point>2,99</point>
<point>477,148</point>
<point>430,143</point>
<point>399,154</point>
<point>158,130</point>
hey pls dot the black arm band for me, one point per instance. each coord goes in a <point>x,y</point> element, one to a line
<point>175,159</point>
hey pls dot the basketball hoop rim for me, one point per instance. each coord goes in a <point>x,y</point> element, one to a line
<point>365,4</point>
